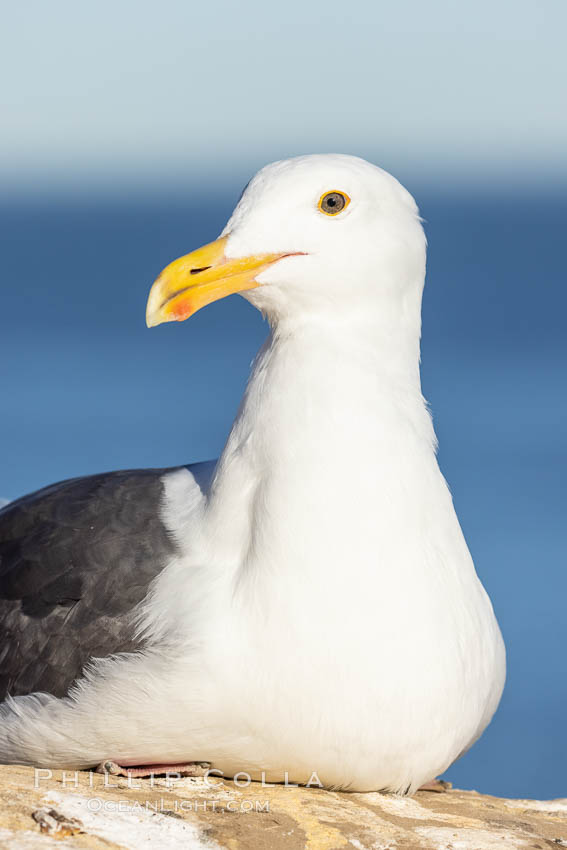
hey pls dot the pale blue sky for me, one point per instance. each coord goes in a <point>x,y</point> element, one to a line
<point>132,89</point>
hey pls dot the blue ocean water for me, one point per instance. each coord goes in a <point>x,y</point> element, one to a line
<point>85,387</point>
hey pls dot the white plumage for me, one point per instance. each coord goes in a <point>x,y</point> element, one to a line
<point>324,615</point>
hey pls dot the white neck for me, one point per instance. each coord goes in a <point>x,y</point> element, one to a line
<point>330,436</point>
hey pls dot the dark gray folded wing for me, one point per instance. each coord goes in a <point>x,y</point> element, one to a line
<point>75,559</point>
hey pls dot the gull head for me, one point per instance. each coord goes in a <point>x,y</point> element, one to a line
<point>324,235</point>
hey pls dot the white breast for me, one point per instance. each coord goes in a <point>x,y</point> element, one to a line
<point>350,634</point>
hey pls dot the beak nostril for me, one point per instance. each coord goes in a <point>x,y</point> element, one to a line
<point>203,269</point>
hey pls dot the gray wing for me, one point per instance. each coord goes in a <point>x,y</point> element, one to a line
<point>75,559</point>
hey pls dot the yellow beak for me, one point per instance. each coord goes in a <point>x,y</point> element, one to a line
<point>197,279</point>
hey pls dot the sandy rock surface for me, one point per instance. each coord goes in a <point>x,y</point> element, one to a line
<point>87,810</point>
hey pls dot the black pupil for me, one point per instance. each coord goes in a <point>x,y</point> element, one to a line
<point>333,202</point>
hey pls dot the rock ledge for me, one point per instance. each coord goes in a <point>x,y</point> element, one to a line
<point>86,810</point>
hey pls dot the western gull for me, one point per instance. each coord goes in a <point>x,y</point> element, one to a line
<point>305,606</point>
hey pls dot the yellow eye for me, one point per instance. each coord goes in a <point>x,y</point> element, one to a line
<point>332,203</point>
